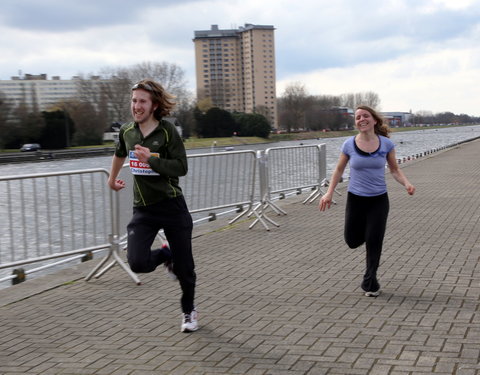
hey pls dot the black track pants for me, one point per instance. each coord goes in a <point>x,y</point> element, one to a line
<point>173,217</point>
<point>365,222</point>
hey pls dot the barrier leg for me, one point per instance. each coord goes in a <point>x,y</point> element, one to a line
<point>245,212</point>
<point>275,208</point>
<point>99,265</point>
<point>317,193</point>
<point>313,195</point>
<point>254,209</point>
<point>113,253</point>
<point>97,275</point>
<point>127,269</point>
<point>260,217</point>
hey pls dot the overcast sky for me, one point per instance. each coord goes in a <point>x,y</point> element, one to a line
<point>419,55</point>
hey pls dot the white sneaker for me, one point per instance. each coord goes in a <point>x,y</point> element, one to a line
<point>372,294</point>
<point>190,322</point>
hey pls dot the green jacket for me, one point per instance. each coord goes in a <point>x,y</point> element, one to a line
<point>161,176</point>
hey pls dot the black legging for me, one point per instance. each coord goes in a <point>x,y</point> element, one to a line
<point>172,215</point>
<point>365,222</point>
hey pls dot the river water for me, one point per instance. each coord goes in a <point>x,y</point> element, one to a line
<point>408,143</point>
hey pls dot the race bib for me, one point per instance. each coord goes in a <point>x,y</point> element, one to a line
<point>139,168</point>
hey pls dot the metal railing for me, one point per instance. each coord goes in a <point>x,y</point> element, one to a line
<point>289,170</point>
<point>53,215</point>
<point>70,214</point>
<point>217,184</point>
<point>218,181</point>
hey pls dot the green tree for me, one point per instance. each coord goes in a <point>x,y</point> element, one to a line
<point>215,122</point>
<point>26,125</point>
<point>252,125</point>
<point>6,109</point>
<point>58,129</point>
<point>185,116</point>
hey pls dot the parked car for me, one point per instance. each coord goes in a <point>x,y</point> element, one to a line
<point>30,147</point>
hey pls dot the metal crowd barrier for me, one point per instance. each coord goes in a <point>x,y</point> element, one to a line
<point>74,214</point>
<point>52,215</point>
<point>218,181</point>
<point>289,170</point>
<point>216,184</point>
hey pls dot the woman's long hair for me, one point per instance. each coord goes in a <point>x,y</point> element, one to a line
<point>160,97</point>
<point>381,128</point>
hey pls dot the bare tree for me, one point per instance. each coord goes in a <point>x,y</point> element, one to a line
<point>372,100</point>
<point>108,94</point>
<point>89,122</point>
<point>170,76</point>
<point>319,114</point>
<point>117,82</point>
<point>88,88</point>
<point>293,105</point>
<point>264,111</point>
<point>115,86</point>
<point>353,100</point>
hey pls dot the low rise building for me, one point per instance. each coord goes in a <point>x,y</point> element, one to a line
<point>37,91</point>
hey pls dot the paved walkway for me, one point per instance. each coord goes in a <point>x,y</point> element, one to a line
<point>283,302</point>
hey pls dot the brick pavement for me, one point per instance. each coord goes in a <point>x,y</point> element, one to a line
<point>283,302</point>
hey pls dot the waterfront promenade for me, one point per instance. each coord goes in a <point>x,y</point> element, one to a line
<point>282,302</point>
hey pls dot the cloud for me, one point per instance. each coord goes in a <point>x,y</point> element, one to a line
<point>68,15</point>
<point>434,81</point>
<point>428,41</point>
<point>349,33</point>
<point>91,48</point>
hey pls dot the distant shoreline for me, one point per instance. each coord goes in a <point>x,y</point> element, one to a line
<point>190,144</point>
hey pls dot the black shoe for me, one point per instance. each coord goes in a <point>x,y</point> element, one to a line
<point>169,270</point>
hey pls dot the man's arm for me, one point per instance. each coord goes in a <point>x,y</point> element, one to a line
<point>176,164</point>
<point>113,182</point>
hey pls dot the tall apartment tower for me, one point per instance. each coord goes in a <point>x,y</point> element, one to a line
<point>235,68</point>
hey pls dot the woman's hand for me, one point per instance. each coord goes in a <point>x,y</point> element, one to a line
<point>325,202</point>
<point>410,188</point>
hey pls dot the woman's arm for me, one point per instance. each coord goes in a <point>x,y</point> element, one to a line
<point>326,200</point>
<point>397,173</point>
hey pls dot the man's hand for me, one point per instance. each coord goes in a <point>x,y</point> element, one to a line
<point>142,153</point>
<point>116,184</point>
